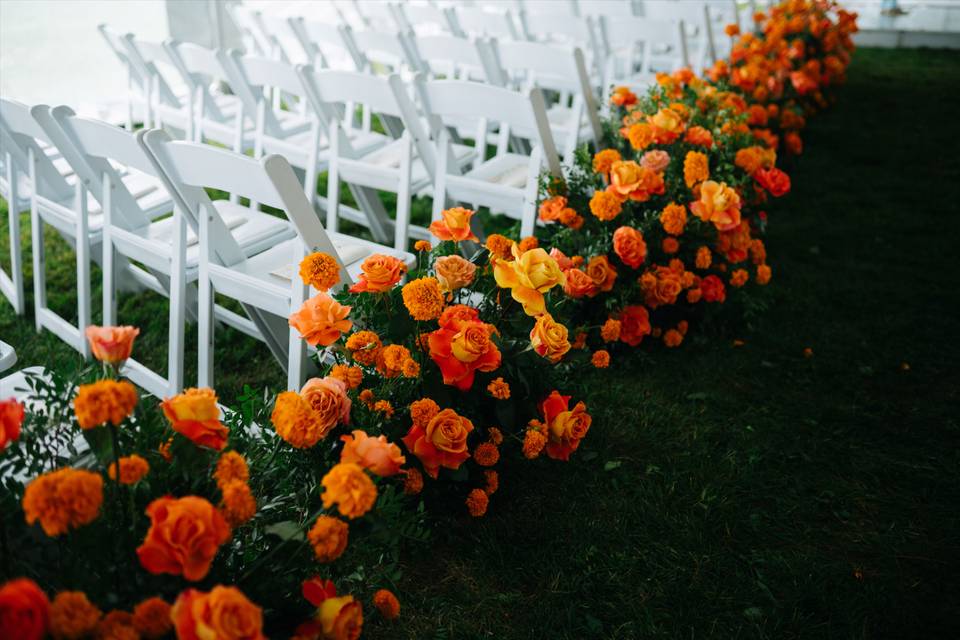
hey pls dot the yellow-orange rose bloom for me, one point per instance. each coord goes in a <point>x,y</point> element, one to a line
<point>529,276</point>
<point>340,618</point>
<point>223,614</point>
<point>321,320</point>
<point>454,272</point>
<point>111,344</point>
<point>195,414</point>
<point>718,204</point>
<point>549,338</point>
<point>329,400</point>
<point>352,490</point>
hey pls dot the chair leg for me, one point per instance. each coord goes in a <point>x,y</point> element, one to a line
<point>205,333</point>
<point>16,257</point>
<point>109,278</point>
<point>178,291</point>
<point>83,271</point>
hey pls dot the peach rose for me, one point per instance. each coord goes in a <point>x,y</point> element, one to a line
<point>562,260</point>
<point>629,246</point>
<point>656,160</point>
<point>378,274</point>
<point>442,443</point>
<point>718,204</point>
<point>601,272</point>
<point>528,276</point>
<point>111,344</point>
<point>329,400</point>
<point>223,614</point>
<point>454,272</point>
<point>184,536</point>
<point>321,320</point>
<point>454,224</point>
<point>374,454</point>
<point>549,338</point>
<point>579,284</point>
<point>195,414</point>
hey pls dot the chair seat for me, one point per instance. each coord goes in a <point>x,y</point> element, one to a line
<point>148,190</point>
<point>506,170</point>
<point>257,230</point>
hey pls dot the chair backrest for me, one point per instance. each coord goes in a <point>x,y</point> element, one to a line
<point>155,62</point>
<point>253,78</point>
<point>562,8</point>
<point>616,8</point>
<point>373,48</point>
<point>421,18</point>
<point>555,27</point>
<point>448,55</point>
<point>478,21</point>
<point>199,67</point>
<point>190,168</point>
<point>91,147</point>
<point>24,134</point>
<point>524,114</point>
<point>627,32</point>
<point>322,43</point>
<point>375,14</point>
<point>115,42</point>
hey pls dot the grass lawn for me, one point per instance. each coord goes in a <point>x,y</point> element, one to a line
<point>730,491</point>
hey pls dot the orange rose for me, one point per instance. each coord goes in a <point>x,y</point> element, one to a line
<point>24,610</point>
<point>551,208</point>
<point>375,454</point>
<point>631,180</point>
<point>195,414</point>
<point>184,536</point>
<point>528,276</point>
<point>442,443</point>
<point>329,400</point>
<point>623,97</point>
<point>111,344</point>
<point>379,274</point>
<point>11,417</point>
<point>579,284</point>
<point>718,204</point>
<point>321,320</point>
<point>462,346</point>
<point>549,338</point>
<point>454,272</point>
<point>565,427</point>
<point>454,224</point>
<point>340,618</point>
<point>223,614</point>
<point>601,272</point>
<point>667,125</point>
<point>661,286</point>
<point>629,246</point>
<point>773,180</point>
<point>699,136</point>
<point>634,324</point>
<point>347,486</point>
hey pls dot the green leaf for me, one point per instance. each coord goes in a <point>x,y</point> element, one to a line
<point>610,465</point>
<point>286,530</point>
<point>100,444</point>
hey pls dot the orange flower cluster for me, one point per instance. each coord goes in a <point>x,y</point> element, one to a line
<point>63,499</point>
<point>104,401</point>
<point>184,536</point>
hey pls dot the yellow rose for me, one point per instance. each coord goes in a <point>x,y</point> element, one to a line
<point>549,338</point>
<point>528,276</point>
<point>454,272</point>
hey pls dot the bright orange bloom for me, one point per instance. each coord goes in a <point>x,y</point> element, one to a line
<point>462,346</point>
<point>499,389</point>
<point>601,359</point>
<point>477,502</point>
<point>378,274</point>
<point>133,468</point>
<point>104,401</point>
<point>704,258</point>
<point>224,613</point>
<point>674,218</point>
<point>185,535</point>
<point>11,417</point>
<point>492,480</point>
<point>499,246</point>
<point>296,422</point>
<point>623,97</point>
<point>763,274</point>
<point>73,616</point>
<point>111,344</point>
<point>565,427</point>
<point>632,181</point>
<point>629,246</point>
<point>486,454</point>
<point>696,168</point>
<point>495,435</point>
<point>549,338</point>
<point>634,324</point>
<point>391,359</point>
<point>528,276</point>
<point>533,443</point>
<point>374,454</point>
<point>63,499</point>
<point>605,205</point>
<point>423,246</point>
<point>195,414</point>
<point>238,505</point>
<point>350,488</point>
<point>24,610</point>
<point>151,618</point>
<point>773,180</point>
<point>423,298</point>
<point>718,204</point>
<point>340,618</point>
<point>328,537</point>
<point>672,338</point>
<point>670,245</point>
<point>231,466</point>
<point>551,208</point>
<point>739,278</point>
<point>454,224</point>
<point>423,411</point>
<point>442,443</point>
<point>641,135</point>
<point>699,136</point>
<point>661,286</point>
<point>667,125</point>
<point>351,376</point>
<point>610,331</point>
<point>364,346</point>
<point>321,320</point>
<point>604,159</point>
<point>579,284</point>
<point>320,270</point>
<point>387,604</point>
<point>601,272</point>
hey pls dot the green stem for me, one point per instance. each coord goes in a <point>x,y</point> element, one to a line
<point>263,559</point>
<point>118,496</point>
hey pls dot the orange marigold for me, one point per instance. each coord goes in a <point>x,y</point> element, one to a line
<point>533,443</point>
<point>674,218</point>
<point>384,407</point>
<point>495,435</point>
<point>350,488</point>
<point>238,505</point>
<point>640,135</point>
<point>601,359</point>
<point>528,243</point>
<point>391,359</point>
<point>486,454</point>
<point>423,411</point>
<point>387,604</point>
<point>364,346</point>
<point>117,625</point>
<point>610,331</point>
<point>352,376</point>
<point>423,245</point>
<point>231,466</point>
<point>672,338</point>
<point>423,299</point>
<point>477,502</point>
<point>499,389</point>
<point>328,537</point>
<point>132,469</point>
<point>320,270</point>
<point>704,258</point>
<point>103,401</point>
<point>411,368</point>
<point>739,278</point>
<point>696,168</point>
<point>413,484</point>
<point>151,618</point>
<point>295,420</point>
<point>499,246</point>
<point>73,616</point>
<point>492,480</point>
<point>63,499</point>
<point>603,159</point>
<point>605,205</point>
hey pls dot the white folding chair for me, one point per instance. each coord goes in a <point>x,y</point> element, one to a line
<point>60,199</point>
<point>137,84</point>
<point>568,30</point>
<point>636,48</point>
<point>480,21</point>
<point>267,284</point>
<point>700,19</point>
<point>612,8</point>
<point>381,52</point>
<point>15,189</point>
<point>447,56</point>
<point>574,118</point>
<point>421,18</point>
<point>508,182</point>
<point>168,98</point>
<point>322,43</point>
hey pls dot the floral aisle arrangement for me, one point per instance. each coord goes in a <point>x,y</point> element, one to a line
<point>144,520</point>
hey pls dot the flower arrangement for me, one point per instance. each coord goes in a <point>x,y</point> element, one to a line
<point>291,512</point>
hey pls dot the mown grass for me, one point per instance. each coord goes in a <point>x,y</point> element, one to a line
<point>736,492</point>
